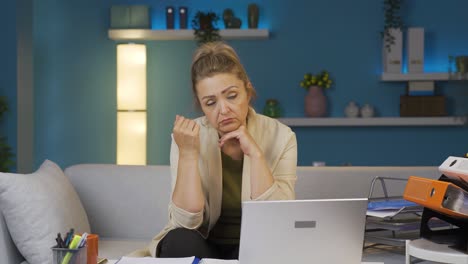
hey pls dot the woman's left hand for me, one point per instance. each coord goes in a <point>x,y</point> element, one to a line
<point>247,143</point>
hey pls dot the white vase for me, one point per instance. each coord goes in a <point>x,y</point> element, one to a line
<point>367,111</point>
<point>352,110</point>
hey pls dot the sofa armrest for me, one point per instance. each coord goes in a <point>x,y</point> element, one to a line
<point>8,251</point>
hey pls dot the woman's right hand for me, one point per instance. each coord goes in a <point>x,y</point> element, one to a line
<point>186,135</point>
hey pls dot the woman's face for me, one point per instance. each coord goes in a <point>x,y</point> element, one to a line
<point>224,101</point>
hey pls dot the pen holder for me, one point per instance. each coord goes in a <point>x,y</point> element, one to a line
<point>69,256</point>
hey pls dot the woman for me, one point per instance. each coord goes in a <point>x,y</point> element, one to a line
<point>229,155</point>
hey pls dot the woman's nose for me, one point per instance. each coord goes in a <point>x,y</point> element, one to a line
<point>223,108</point>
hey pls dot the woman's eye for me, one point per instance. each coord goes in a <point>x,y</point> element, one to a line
<point>209,102</point>
<point>232,96</point>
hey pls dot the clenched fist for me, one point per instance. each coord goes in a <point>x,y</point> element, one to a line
<point>186,135</point>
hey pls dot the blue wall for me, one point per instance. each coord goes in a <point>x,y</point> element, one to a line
<point>75,77</point>
<point>8,70</point>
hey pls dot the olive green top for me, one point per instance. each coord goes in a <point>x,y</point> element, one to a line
<point>227,229</point>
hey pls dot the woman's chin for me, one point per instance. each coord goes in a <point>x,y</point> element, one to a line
<point>224,129</point>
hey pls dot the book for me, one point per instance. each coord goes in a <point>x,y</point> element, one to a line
<point>440,196</point>
<point>421,88</point>
<point>415,49</point>
<point>391,208</point>
<point>392,57</point>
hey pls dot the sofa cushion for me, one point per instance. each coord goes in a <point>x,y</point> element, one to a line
<point>37,206</point>
<point>123,201</point>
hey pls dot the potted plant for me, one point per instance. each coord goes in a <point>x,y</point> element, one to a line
<point>204,25</point>
<point>392,21</point>
<point>6,154</point>
<point>322,80</point>
<point>315,103</point>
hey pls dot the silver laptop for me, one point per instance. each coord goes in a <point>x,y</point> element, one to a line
<point>302,231</point>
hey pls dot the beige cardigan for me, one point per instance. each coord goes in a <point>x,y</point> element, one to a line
<point>279,146</point>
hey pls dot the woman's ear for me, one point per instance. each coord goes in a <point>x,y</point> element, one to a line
<point>249,88</point>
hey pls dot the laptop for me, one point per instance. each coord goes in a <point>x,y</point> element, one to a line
<point>303,231</point>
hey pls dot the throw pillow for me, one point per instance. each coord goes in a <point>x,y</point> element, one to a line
<point>37,206</point>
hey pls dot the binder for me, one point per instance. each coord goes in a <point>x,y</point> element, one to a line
<point>456,168</point>
<point>441,196</point>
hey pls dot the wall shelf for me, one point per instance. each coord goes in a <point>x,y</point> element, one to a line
<point>183,34</point>
<point>375,121</point>
<point>401,77</point>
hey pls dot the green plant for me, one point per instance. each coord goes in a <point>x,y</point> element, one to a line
<point>204,25</point>
<point>392,19</point>
<point>321,80</point>
<point>6,153</point>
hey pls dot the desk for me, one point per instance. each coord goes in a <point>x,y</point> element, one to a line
<point>112,261</point>
<point>387,254</point>
<point>373,255</point>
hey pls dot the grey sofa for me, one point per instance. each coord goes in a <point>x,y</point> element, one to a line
<point>127,205</point>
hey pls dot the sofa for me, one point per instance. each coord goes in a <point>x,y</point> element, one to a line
<point>127,205</point>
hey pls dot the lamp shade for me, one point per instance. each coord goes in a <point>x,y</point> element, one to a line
<point>131,77</point>
<point>131,138</point>
<point>131,104</point>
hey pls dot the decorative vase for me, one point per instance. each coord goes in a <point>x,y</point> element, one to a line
<point>170,17</point>
<point>252,14</point>
<point>315,102</point>
<point>272,108</point>
<point>352,110</point>
<point>367,111</point>
<point>183,17</point>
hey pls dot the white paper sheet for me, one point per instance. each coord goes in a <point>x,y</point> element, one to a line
<point>149,260</point>
<point>218,261</point>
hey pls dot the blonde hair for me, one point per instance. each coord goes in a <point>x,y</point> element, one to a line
<point>217,57</point>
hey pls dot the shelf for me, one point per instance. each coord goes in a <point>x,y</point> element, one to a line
<point>183,34</point>
<point>400,77</point>
<point>375,121</point>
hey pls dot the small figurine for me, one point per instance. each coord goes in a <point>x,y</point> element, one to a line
<point>230,21</point>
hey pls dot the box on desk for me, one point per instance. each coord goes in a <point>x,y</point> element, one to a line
<point>422,105</point>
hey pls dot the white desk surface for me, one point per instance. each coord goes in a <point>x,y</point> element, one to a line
<point>112,261</point>
<point>374,255</point>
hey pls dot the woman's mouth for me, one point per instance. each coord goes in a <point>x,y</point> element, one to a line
<point>226,121</point>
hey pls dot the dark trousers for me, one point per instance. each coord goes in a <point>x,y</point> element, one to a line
<point>183,242</point>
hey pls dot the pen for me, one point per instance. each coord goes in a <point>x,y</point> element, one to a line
<point>59,240</point>
<point>83,240</point>
<point>69,237</point>
<point>65,239</point>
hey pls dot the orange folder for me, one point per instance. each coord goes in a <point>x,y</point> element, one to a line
<point>444,197</point>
